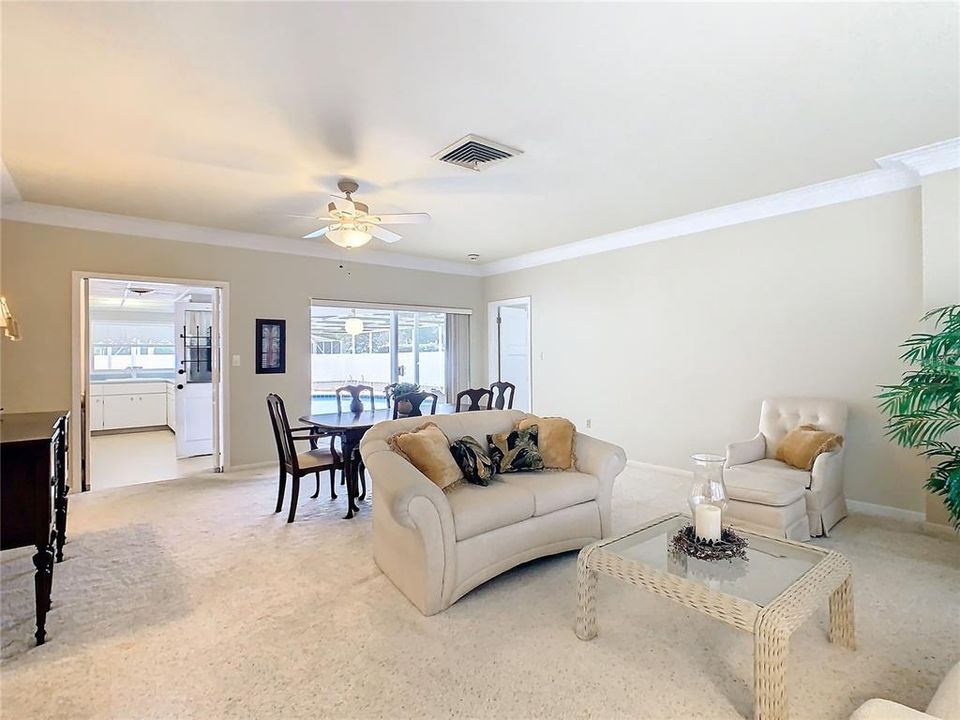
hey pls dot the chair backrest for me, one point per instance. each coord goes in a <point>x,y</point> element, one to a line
<point>355,392</point>
<point>286,452</point>
<point>778,416</point>
<point>416,400</point>
<point>503,394</point>
<point>476,397</point>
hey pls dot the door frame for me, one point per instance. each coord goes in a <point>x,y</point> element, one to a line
<point>79,357</point>
<point>493,339</point>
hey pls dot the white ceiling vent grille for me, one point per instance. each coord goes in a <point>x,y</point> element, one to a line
<point>476,153</point>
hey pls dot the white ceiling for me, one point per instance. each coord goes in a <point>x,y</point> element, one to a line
<point>122,295</point>
<point>231,115</point>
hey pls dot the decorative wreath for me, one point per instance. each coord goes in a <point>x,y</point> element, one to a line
<point>729,546</point>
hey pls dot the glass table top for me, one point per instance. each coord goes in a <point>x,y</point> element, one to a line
<point>771,567</point>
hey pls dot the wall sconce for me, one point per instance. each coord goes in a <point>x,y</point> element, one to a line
<point>8,323</point>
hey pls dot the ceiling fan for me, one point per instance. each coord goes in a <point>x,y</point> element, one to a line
<point>351,225</point>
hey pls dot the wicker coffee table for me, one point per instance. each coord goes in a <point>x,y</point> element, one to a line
<point>770,595</point>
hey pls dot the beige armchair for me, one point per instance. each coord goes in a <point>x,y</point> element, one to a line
<point>775,497</point>
<point>945,704</point>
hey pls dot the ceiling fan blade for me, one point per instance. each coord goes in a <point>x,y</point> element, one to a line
<point>382,233</point>
<point>317,233</point>
<point>306,217</point>
<point>401,218</point>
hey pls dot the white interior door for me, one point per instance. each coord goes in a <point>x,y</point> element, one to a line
<point>512,356</point>
<point>194,383</point>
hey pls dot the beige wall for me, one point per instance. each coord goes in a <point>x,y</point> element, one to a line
<point>941,239</point>
<point>37,264</point>
<point>940,195</point>
<point>669,347</point>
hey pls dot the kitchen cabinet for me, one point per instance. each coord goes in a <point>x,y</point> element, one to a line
<point>95,416</point>
<point>116,406</point>
<point>171,407</point>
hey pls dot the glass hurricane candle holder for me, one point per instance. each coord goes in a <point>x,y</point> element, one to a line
<point>708,496</point>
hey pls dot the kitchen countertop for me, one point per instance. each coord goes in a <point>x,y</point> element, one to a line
<point>121,381</point>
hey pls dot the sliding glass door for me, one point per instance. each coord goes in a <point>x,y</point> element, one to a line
<point>380,346</point>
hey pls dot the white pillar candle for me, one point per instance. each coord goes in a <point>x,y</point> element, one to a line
<point>707,522</point>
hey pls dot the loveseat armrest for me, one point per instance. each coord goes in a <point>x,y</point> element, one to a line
<point>746,451</point>
<point>877,709</point>
<point>598,458</point>
<point>604,461</point>
<point>398,482</point>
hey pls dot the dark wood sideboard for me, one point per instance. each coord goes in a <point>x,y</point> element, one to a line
<point>33,494</point>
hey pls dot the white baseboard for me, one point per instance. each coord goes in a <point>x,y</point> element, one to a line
<point>663,469</point>
<point>857,506</point>
<point>942,531</point>
<point>251,466</point>
<point>865,508</point>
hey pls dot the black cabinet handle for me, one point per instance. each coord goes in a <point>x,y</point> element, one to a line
<point>179,387</point>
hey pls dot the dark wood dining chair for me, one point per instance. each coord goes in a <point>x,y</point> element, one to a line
<point>416,400</point>
<point>356,392</point>
<point>297,464</point>
<point>476,397</point>
<point>503,394</point>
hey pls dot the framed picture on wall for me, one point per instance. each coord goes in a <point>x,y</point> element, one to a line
<point>271,346</point>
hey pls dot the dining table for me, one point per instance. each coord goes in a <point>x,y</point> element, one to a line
<point>351,426</point>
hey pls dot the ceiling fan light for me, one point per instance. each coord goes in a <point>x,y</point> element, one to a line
<point>353,325</point>
<point>348,237</point>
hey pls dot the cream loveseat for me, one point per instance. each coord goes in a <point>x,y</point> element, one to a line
<point>437,545</point>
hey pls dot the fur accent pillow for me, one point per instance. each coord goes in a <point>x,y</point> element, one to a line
<point>801,446</point>
<point>515,450</point>
<point>474,460</point>
<point>428,450</point>
<point>555,440</point>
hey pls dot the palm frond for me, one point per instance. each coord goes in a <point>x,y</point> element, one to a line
<point>925,407</point>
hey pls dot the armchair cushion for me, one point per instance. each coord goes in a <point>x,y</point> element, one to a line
<point>750,485</point>
<point>801,446</point>
<point>428,450</point>
<point>478,509</point>
<point>555,440</point>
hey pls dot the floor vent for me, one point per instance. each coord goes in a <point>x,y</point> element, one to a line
<point>476,153</point>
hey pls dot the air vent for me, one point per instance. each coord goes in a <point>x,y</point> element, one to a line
<point>476,153</point>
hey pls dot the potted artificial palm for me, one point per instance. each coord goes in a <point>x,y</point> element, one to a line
<point>923,411</point>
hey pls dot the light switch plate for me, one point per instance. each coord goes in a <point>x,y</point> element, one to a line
<point>236,361</point>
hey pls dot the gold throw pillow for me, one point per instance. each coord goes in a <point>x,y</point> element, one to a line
<point>555,441</point>
<point>801,446</point>
<point>428,450</point>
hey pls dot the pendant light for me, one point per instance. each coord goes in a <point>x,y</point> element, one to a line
<point>353,325</point>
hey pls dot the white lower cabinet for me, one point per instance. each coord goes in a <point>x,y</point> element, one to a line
<point>96,413</point>
<point>171,408</point>
<point>131,410</point>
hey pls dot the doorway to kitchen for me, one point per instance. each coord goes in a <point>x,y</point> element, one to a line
<point>509,340</point>
<point>150,386</point>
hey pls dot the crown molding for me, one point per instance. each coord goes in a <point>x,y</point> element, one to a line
<point>926,160</point>
<point>853,187</point>
<point>41,214</point>
<point>896,172</point>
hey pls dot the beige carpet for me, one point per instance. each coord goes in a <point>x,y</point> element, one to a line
<point>191,599</point>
